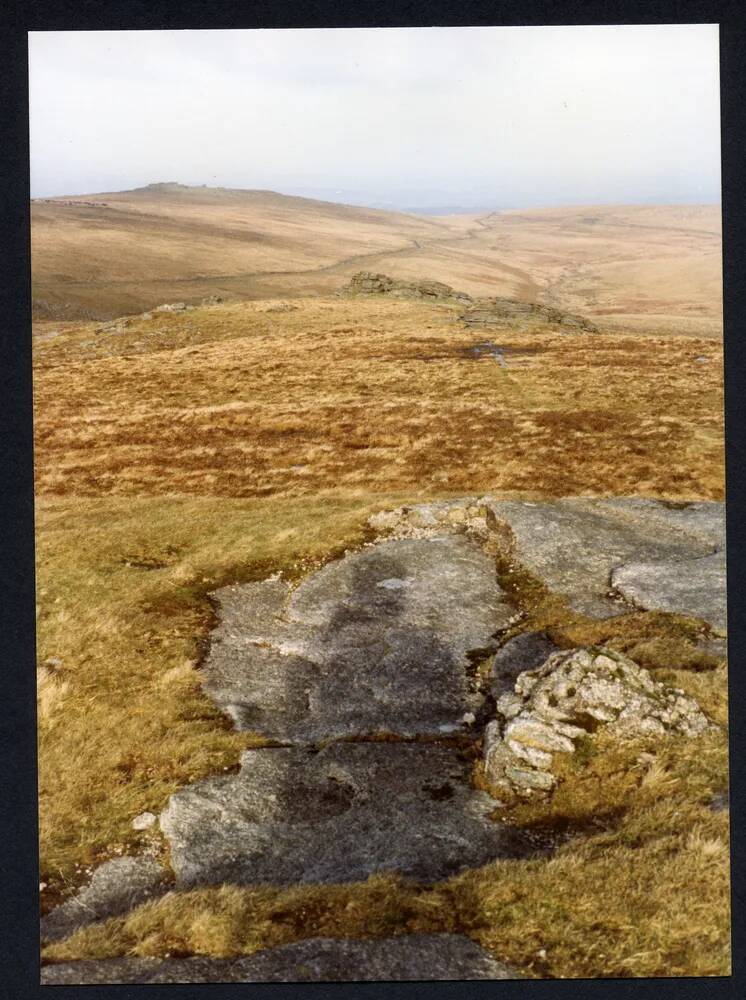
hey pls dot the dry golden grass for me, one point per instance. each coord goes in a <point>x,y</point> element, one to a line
<point>644,894</point>
<point>104,255</point>
<point>343,397</point>
<point>232,441</point>
<point>650,268</point>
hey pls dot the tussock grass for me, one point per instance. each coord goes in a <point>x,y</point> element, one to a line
<point>344,397</point>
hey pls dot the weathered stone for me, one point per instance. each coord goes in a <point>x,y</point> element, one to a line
<point>523,652</point>
<point>424,520</point>
<point>524,778</point>
<point>375,642</point>
<point>693,587</point>
<point>172,307</point>
<point>510,312</point>
<point>114,888</point>
<point>144,821</point>
<point>535,733</point>
<point>574,545</point>
<point>427,957</point>
<point>509,704</point>
<point>369,283</point>
<point>336,816</point>
<point>571,695</point>
<point>540,759</point>
<point>275,307</point>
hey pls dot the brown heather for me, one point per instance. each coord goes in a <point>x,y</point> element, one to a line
<point>351,397</point>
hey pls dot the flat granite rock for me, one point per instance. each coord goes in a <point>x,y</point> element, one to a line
<point>339,815</point>
<point>574,545</point>
<point>694,587</point>
<point>115,888</point>
<point>415,957</point>
<point>376,642</point>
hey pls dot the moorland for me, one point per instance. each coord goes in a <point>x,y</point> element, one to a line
<point>255,431</point>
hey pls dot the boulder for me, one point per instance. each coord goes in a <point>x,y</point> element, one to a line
<point>114,888</point>
<point>340,815</point>
<point>571,696</point>
<point>427,957</point>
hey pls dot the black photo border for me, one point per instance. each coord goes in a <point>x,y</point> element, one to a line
<point>19,929</point>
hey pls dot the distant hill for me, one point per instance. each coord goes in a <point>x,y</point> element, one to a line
<point>97,256</point>
<point>655,268</point>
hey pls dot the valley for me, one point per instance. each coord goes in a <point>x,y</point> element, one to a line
<point>647,268</point>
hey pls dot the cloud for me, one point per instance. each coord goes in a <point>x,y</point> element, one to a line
<point>513,116</point>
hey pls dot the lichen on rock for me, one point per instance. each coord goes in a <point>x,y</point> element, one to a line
<point>570,696</point>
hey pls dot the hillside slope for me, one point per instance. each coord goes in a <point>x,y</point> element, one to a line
<point>648,268</point>
<point>97,256</point>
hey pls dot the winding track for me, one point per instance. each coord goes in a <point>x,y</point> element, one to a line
<point>413,247</point>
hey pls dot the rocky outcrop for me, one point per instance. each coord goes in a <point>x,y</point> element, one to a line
<point>573,694</point>
<point>369,283</point>
<point>339,815</point>
<point>606,557</point>
<point>480,312</point>
<point>502,312</point>
<point>593,551</point>
<point>376,642</point>
<point>116,887</point>
<point>694,587</point>
<point>380,673</point>
<point>405,958</point>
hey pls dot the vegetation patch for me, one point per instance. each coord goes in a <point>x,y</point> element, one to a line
<point>661,856</point>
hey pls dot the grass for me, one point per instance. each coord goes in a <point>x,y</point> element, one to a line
<point>645,896</point>
<point>353,397</point>
<point>129,251</point>
<point>645,267</point>
<point>231,442</point>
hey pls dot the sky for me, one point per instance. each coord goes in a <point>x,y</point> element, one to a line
<point>411,118</point>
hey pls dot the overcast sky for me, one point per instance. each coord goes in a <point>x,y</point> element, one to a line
<point>406,117</point>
